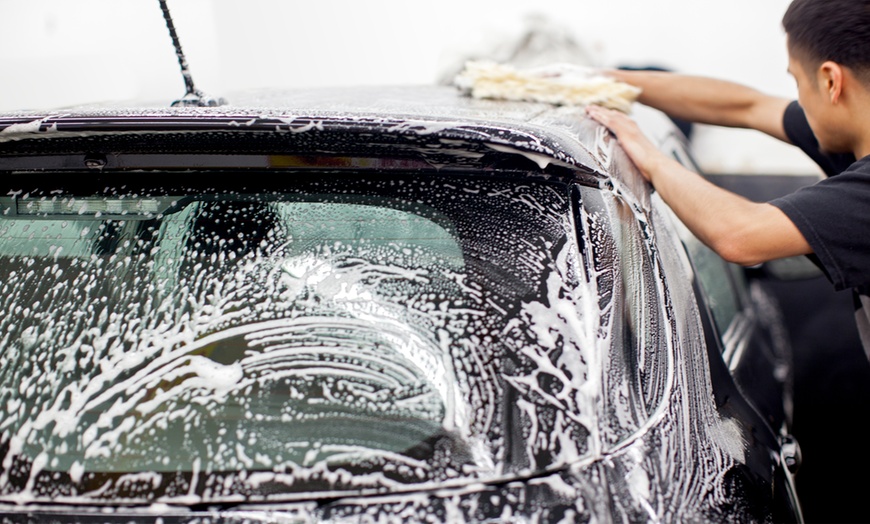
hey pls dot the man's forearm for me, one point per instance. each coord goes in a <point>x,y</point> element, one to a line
<point>707,100</point>
<point>738,229</point>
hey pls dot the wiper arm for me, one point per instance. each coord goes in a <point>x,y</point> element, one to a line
<point>193,97</point>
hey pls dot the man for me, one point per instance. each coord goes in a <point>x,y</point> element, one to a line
<point>829,58</point>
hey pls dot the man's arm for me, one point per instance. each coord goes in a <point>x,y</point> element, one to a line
<point>736,228</point>
<point>708,101</point>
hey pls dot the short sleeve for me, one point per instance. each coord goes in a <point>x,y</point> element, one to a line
<point>834,217</point>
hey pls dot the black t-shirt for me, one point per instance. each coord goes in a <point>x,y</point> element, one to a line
<point>834,216</point>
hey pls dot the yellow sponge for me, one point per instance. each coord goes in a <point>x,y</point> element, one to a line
<point>559,84</point>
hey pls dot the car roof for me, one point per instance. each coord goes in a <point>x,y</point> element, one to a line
<point>440,121</point>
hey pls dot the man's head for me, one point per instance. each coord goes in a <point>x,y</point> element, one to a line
<point>829,57</point>
<point>830,30</point>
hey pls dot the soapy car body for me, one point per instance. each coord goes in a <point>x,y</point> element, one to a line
<point>372,305</point>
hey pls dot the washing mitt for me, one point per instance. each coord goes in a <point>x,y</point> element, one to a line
<point>558,84</point>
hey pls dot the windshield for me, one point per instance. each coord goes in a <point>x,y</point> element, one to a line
<point>326,335</point>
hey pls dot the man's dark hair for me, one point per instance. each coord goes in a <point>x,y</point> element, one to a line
<point>836,30</point>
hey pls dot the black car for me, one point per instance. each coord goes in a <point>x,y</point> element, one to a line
<point>372,305</point>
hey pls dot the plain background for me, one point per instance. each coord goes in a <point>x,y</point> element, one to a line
<point>58,53</point>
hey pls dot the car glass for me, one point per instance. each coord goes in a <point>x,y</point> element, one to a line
<point>345,334</point>
<point>714,277</point>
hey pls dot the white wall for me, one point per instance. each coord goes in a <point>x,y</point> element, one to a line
<point>61,52</point>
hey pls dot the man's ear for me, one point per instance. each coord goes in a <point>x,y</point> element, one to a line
<point>831,80</point>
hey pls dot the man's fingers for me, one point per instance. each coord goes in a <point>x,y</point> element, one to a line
<point>638,148</point>
<point>609,118</point>
<point>597,113</point>
<point>617,122</point>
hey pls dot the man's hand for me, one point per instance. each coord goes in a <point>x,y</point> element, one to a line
<point>637,146</point>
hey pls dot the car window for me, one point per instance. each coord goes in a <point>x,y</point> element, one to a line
<point>715,278</point>
<point>170,336</point>
<point>230,266</point>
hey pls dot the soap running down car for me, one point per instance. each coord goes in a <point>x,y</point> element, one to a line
<point>380,304</point>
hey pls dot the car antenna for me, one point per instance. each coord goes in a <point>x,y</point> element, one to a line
<point>193,97</point>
